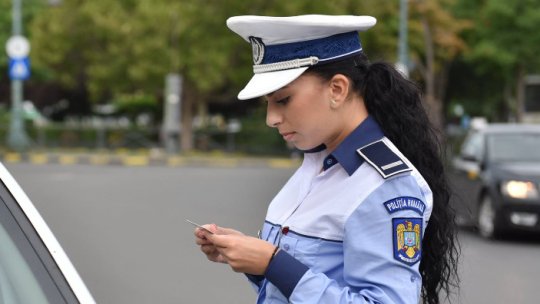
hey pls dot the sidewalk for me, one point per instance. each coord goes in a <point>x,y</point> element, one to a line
<point>147,158</point>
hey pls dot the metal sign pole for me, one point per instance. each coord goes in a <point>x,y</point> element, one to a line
<point>172,113</point>
<point>403,60</point>
<point>17,138</point>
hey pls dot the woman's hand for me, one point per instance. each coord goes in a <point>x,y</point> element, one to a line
<point>243,253</point>
<point>206,246</point>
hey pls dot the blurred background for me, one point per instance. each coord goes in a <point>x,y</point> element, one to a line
<point>159,78</point>
<point>165,74</point>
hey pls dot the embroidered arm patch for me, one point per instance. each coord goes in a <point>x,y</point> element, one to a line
<point>405,203</point>
<point>383,159</point>
<point>407,239</point>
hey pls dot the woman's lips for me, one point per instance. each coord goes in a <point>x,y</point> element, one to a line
<point>287,135</point>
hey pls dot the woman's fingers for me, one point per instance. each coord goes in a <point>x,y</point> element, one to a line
<point>219,240</point>
<point>202,241</point>
<point>215,242</point>
<point>228,231</point>
<point>243,254</point>
<point>213,254</point>
<point>208,249</point>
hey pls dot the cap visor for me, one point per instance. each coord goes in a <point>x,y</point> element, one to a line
<point>266,83</point>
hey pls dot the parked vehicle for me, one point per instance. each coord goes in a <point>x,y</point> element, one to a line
<point>33,267</point>
<point>497,179</point>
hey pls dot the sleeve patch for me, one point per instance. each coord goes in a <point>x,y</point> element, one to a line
<point>383,159</point>
<point>407,239</point>
<point>405,203</point>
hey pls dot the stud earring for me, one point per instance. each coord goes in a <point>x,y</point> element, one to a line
<point>333,103</point>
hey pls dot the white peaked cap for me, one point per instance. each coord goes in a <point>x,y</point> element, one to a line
<point>285,47</point>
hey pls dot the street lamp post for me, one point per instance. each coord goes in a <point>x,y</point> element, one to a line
<point>172,113</point>
<point>17,138</point>
<point>403,60</point>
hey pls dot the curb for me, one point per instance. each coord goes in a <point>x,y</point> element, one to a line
<point>141,160</point>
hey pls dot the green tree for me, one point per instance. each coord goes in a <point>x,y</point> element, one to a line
<point>435,41</point>
<point>106,49</point>
<point>127,47</point>
<point>504,42</point>
<point>110,49</point>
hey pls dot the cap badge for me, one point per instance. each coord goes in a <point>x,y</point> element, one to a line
<point>258,49</point>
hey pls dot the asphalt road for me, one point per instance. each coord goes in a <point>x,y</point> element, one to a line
<point>124,230</point>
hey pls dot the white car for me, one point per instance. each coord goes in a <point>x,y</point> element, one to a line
<point>33,267</point>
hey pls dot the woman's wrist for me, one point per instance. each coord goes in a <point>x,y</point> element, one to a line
<point>276,250</point>
<point>274,254</point>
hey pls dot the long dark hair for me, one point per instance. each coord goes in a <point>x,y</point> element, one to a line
<point>396,104</point>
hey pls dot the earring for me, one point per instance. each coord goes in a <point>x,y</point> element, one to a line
<point>333,103</point>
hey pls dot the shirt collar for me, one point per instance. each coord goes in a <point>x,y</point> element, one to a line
<point>317,149</point>
<point>367,132</point>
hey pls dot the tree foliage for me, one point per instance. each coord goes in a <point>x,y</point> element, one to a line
<point>126,45</point>
<point>435,41</point>
<point>506,35</point>
<point>503,47</point>
<point>106,49</point>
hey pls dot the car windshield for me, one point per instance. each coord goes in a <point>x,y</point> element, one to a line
<point>522,147</point>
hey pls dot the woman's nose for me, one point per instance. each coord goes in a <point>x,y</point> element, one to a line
<point>273,117</point>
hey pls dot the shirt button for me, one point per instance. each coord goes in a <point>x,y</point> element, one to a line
<point>329,161</point>
<point>285,230</point>
<point>413,278</point>
<point>286,247</point>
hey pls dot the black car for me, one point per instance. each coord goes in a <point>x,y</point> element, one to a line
<point>496,179</point>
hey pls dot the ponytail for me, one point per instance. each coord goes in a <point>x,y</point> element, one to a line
<point>396,104</point>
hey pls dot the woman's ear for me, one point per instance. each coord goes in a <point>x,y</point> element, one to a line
<point>339,89</point>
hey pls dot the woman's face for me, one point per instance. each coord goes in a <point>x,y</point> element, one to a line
<point>302,113</point>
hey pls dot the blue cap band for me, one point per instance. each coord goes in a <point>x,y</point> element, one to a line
<point>327,48</point>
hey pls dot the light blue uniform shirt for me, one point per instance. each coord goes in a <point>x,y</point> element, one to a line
<point>349,226</point>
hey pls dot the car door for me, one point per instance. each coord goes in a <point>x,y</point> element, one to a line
<point>33,267</point>
<point>466,177</point>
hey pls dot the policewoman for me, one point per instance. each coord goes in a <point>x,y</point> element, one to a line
<point>365,219</point>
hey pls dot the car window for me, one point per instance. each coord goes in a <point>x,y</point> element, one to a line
<point>28,274</point>
<point>514,147</point>
<point>17,282</point>
<point>473,147</point>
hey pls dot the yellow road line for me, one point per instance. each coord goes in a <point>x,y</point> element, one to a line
<point>121,151</point>
<point>12,157</point>
<point>67,159</point>
<point>135,160</point>
<point>224,162</point>
<point>99,159</point>
<point>282,163</point>
<point>175,161</point>
<point>39,158</point>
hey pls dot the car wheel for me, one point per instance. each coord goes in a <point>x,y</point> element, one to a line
<point>487,219</point>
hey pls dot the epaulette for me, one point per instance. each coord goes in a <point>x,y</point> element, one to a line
<point>379,155</point>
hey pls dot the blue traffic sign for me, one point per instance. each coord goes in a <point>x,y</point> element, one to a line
<point>19,68</point>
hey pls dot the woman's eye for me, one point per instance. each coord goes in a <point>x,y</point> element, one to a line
<point>283,101</point>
